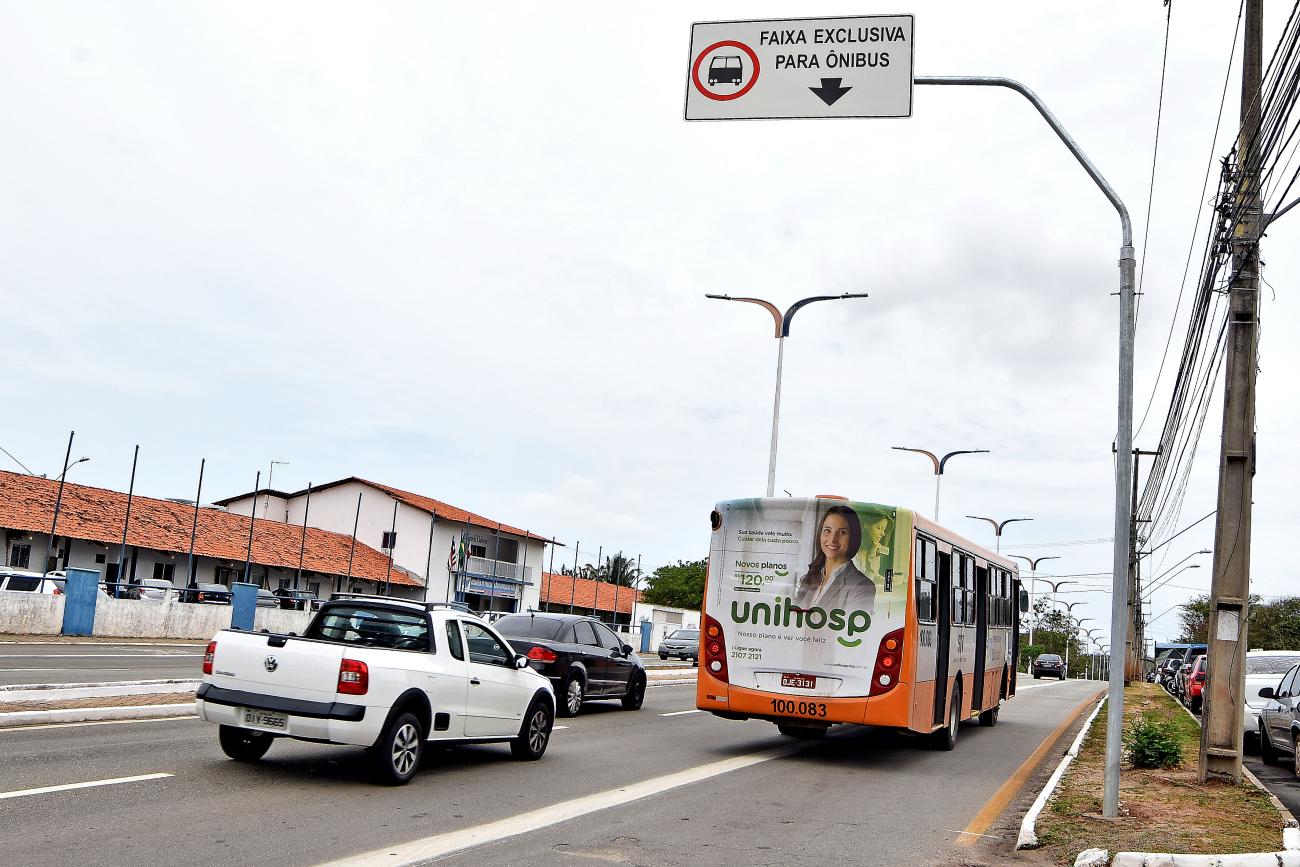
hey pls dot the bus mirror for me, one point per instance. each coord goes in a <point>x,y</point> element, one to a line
<point>1024,601</point>
<point>715,520</point>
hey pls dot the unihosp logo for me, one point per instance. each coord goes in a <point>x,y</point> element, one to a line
<point>783,609</point>
<point>271,663</point>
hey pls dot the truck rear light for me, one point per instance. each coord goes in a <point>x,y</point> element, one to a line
<point>715,649</point>
<point>354,677</point>
<point>208,656</point>
<point>889,658</point>
<point>541,654</point>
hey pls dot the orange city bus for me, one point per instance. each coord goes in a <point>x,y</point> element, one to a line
<point>822,610</point>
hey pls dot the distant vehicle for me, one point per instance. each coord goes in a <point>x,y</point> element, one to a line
<point>267,599</point>
<point>153,589</point>
<point>297,600</point>
<point>725,69</point>
<point>1049,665</point>
<point>683,643</point>
<point>386,674</point>
<point>1264,668</point>
<point>208,594</point>
<point>1195,686</point>
<point>23,581</point>
<point>581,657</point>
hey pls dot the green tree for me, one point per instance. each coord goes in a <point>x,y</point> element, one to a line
<point>678,585</point>
<point>1195,615</point>
<point>1270,626</point>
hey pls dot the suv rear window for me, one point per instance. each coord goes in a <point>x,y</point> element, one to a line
<point>1049,657</point>
<point>372,627</point>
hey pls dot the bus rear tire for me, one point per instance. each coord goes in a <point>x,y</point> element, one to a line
<point>945,739</point>
<point>989,718</point>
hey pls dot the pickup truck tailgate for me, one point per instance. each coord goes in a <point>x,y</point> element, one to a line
<point>300,669</point>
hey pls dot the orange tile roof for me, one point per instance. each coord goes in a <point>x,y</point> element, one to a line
<point>586,593</point>
<point>96,515</point>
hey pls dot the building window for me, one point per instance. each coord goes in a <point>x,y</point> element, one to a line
<point>164,571</point>
<point>20,556</point>
<point>101,558</point>
<point>478,551</point>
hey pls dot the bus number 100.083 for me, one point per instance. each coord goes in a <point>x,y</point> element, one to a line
<point>802,708</point>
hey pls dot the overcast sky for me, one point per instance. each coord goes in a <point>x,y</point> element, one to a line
<point>463,249</point>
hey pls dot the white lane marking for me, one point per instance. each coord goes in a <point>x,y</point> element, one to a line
<point>973,834</point>
<point>457,841</point>
<point>99,655</point>
<point>67,787</point>
<point>682,712</point>
<point>66,669</point>
<point>102,722</point>
<point>558,728</point>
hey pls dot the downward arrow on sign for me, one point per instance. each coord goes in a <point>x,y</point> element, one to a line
<point>830,91</point>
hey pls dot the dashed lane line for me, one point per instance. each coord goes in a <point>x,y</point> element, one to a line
<point>682,712</point>
<point>67,787</point>
<point>438,845</point>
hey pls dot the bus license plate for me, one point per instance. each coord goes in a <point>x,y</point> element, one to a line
<point>799,681</point>
<point>265,719</point>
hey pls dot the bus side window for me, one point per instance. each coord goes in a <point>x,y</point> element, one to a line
<point>925,576</point>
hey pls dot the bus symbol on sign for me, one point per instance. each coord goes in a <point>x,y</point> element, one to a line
<point>799,681</point>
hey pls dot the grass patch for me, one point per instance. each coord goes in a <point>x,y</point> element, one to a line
<point>1161,810</point>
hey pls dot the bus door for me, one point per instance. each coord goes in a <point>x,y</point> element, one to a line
<point>941,643</point>
<point>1013,659</point>
<point>981,634</point>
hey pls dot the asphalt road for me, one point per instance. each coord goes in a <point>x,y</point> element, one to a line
<point>97,662</point>
<point>860,796</point>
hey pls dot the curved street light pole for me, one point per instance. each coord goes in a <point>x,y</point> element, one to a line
<point>939,464</point>
<point>997,527</point>
<point>1033,568</point>
<point>782,332</point>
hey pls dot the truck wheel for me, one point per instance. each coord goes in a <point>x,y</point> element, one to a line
<point>570,696</point>
<point>946,738</point>
<point>243,745</point>
<point>535,733</point>
<point>396,757</point>
<point>635,693</point>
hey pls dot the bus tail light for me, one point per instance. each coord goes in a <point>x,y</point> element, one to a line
<point>715,649</point>
<point>889,662</point>
<point>208,656</point>
<point>354,677</point>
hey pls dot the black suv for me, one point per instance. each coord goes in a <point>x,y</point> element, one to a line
<point>1049,665</point>
<point>583,658</point>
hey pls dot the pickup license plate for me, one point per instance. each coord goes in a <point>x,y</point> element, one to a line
<point>265,719</point>
<point>799,681</point>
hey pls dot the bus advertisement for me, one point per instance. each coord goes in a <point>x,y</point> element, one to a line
<point>821,610</point>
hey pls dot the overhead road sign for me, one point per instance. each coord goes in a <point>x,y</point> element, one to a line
<point>801,68</point>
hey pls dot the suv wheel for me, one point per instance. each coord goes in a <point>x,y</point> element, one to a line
<point>243,745</point>
<point>571,695</point>
<point>535,733</point>
<point>1295,753</point>
<point>397,755</point>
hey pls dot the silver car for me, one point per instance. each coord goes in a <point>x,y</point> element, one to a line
<point>1264,668</point>
<point>1278,726</point>
<point>683,643</point>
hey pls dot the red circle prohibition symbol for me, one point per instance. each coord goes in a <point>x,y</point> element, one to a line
<point>726,43</point>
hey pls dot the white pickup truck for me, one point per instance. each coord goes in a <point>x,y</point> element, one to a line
<point>381,673</point>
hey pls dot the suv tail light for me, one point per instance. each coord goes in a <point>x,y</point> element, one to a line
<point>889,660</point>
<point>208,656</point>
<point>715,649</point>
<point>541,654</point>
<point>354,677</point>
<point>200,597</point>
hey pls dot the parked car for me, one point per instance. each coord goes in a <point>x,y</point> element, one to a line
<point>583,659</point>
<point>1182,678</point>
<point>1167,669</point>
<point>267,599</point>
<point>153,589</point>
<point>297,600</point>
<point>207,594</point>
<point>1195,685</point>
<point>1049,665</point>
<point>683,643</point>
<point>1278,726</point>
<point>372,671</point>
<point>23,581</point>
<point>1264,668</point>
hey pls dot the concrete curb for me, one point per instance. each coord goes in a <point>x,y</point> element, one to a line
<point>1027,839</point>
<point>663,681</point>
<point>68,691</point>
<point>95,714</point>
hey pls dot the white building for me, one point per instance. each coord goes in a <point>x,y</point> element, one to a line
<point>499,568</point>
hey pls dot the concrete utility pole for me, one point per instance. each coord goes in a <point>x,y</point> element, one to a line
<point>1230,585</point>
<point>1133,647</point>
